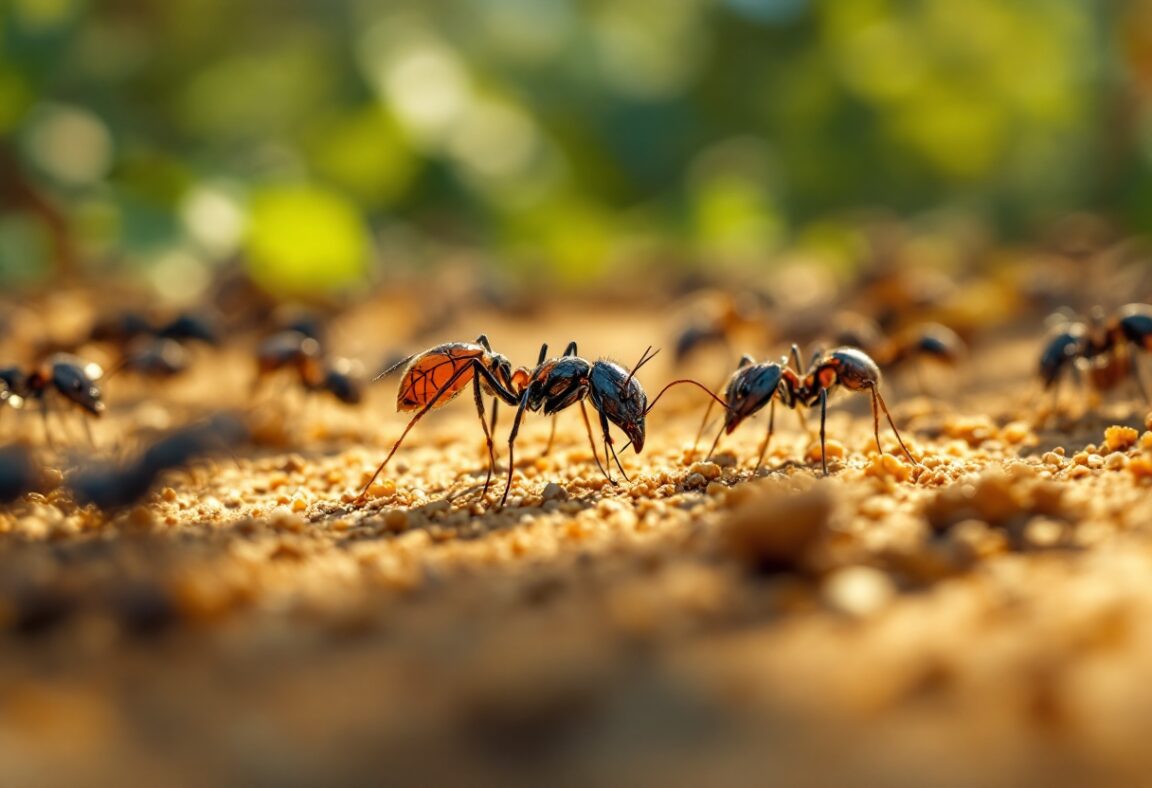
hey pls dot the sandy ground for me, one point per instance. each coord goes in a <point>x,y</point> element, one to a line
<point>983,619</point>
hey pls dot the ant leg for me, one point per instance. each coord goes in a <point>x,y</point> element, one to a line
<point>768,436</point>
<point>877,399</point>
<point>512,442</point>
<point>44,408</point>
<point>608,445</point>
<point>551,436</point>
<point>703,424</point>
<point>88,431</point>
<point>715,443</point>
<point>795,353</point>
<point>472,365</point>
<point>592,443</point>
<point>876,420</point>
<point>803,421</point>
<point>570,350</point>
<point>495,406</point>
<point>823,418</point>
<point>487,435</point>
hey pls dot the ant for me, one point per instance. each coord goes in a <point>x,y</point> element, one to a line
<point>153,357</point>
<point>117,487</point>
<point>614,392</point>
<point>754,385</point>
<point>123,328</point>
<point>919,342</point>
<point>1100,344</point>
<point>72,378</point>
<point>303,354</point>
<point>433,377</point>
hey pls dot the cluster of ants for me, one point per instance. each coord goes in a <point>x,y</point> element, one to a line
<point>433,377</point>
<point>1099,348</point>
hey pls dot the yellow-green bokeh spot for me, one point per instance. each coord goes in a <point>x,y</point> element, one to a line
<point>304,240</point>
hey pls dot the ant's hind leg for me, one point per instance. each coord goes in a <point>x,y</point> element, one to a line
<point>823,418</point>
<point>551,437</point>
<point>767,436</point>
<point>592,443</point>
<point>487,435</point>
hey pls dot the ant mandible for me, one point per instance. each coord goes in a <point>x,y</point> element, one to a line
<point>753,386</point>
<point>435,376</point>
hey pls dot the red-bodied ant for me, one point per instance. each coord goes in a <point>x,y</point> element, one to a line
<point>753,385</point>
<point>433,377</point>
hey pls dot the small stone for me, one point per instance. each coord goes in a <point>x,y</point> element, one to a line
<point>858,590</point>
<point>709,470</point>
<point>554,492</point>
<point>1118,438</point>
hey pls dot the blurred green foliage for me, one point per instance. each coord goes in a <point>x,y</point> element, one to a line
<point>313,136</point>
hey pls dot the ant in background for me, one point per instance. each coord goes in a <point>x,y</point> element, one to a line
<point>316,372</point>
<point>151,349</point>
<point>753,385</point>
<point>915,343</point>
<point>116,487</point>
<point>435,376</point>
<point>1100,347</point>
<point>67,376</point>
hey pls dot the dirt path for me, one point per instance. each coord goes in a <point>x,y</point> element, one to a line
<point>983,619</point>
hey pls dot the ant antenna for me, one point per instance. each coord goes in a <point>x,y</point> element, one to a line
<point>697,384</point>
<point>645,357</point>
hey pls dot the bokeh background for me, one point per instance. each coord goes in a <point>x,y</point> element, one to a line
<point>329,144</point>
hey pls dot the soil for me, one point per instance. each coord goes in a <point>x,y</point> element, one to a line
<point>982,618</point>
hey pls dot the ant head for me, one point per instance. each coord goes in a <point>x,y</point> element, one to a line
<point>618,395</point>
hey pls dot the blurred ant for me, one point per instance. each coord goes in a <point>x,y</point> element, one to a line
<point>153,357</point>
<point>753,385</point>
<point>117,487</point>
<point>68,376</point>
<point>125,327</point>
<point>433,377</point>
<point>19,473</point>
<point>1099,346</point>
<point>317,373</point>
<point>716,318</point>
<point>917,342</point>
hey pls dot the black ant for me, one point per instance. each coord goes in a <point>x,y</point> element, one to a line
<point>916,343</point>
<point>124,327</point>
<point>433,377</point>
<point>117,487</point>
<point>614,392</point>
<point>753,385</point>
<point>72,378</point>
<point>1099,346</point>
<point>153,357</point>
<point>303,355</point>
